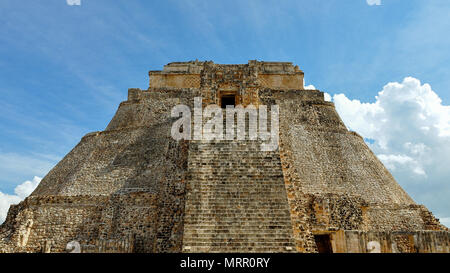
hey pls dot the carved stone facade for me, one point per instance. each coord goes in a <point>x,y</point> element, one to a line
<point>215,80</point>
<point>133,188</point>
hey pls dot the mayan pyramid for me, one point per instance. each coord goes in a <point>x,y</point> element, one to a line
<point>134,188</point>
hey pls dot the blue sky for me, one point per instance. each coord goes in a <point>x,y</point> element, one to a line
<point>65,69</point>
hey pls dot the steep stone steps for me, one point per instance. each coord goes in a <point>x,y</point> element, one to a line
<point>236,199</point>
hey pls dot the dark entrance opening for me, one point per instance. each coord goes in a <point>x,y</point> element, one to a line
<point>227,100</point>
<point>323,243</point>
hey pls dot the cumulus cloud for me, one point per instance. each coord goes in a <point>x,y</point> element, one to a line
<point>408,128</point>
<point>21,192</point>
<point>310,87</point>
<point>27,187</point>
<point>373,2</point>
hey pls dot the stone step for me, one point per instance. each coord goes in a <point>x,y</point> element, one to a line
<point>241,244</point>
<point>241,225</point>
<point>237,227</point>
<point>234,224</point>
<point>242,217</point>
<point>241,207</point>
<point>233,235</point>
<point>238,250</point>
<point>236,199</point>
<point>239,234</point>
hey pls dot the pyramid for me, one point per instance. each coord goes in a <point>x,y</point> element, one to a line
<point>134,187</point>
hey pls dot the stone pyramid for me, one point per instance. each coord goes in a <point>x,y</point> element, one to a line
<point>134,188</point>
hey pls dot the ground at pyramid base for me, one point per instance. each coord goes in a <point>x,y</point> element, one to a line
<point>134,188</point>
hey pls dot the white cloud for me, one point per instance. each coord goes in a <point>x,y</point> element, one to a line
<point>6,201</point>
<point>392,161</point>
<point>27,187</point>
<point>308,87</point>
<point>73,2</point>
<point>21,192</point>
<point>15,165</point>
<point>408,128</point>
<point>373,2</point>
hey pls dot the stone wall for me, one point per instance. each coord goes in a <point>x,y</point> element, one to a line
<point>326,157</point>
<point>346,241</point>
<point>243,80</point>
<point>47,224</point>
<point>127,180</point>
<point>50,222</point>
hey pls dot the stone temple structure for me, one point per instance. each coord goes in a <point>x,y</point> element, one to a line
<point>133,188</point>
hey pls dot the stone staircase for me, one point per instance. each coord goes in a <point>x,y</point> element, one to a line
<point>236,199</point>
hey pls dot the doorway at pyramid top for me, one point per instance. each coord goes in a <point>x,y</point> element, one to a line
<point>228,98</point>
<point>235,97</point>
